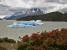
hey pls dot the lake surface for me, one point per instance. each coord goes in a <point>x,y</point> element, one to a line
<point>14,33</point>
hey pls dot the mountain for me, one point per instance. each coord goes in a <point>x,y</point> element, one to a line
<point>54,16</point>
<point>37,14</point>
<point>15,9</point>
<point>25,13</point>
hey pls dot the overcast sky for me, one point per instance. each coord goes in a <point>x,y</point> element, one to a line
<point>50,5</point>
<point>29,3</point>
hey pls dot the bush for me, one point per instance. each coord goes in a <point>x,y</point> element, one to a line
<point>54,40</point>
<point>7,40</point>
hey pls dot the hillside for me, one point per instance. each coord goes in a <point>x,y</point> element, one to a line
<point>54,16</point>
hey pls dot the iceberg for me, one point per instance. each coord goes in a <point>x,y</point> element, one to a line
<point>31,23</point>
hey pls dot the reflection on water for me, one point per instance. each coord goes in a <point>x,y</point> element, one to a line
<point>16,32</point>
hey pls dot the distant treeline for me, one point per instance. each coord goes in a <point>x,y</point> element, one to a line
<point>54,16</point>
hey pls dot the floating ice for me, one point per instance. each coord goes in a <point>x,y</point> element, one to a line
<point>26,24</point>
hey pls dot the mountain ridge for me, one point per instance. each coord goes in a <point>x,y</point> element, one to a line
<point>28,12</point>
<point>54,16</point>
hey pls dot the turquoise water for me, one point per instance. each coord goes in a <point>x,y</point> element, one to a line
<point>14,33</point>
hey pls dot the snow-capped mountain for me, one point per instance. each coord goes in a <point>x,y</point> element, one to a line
<point>25,13</point>
<point>10,8</point>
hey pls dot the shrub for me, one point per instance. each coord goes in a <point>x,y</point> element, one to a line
<point>54,40</point>
<point>7,40</point>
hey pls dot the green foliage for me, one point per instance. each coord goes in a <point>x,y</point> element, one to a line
<point>24,45</point>
<point>58,47</point>
<point>7,40</point>
<point>21,47</point>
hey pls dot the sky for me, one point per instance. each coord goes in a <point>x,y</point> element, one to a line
<point>50,5</point>
<point>29,3</point>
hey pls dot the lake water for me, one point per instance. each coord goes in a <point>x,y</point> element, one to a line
<point>14,33</point>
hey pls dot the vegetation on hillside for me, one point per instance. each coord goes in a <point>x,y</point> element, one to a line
<point>54,16</point>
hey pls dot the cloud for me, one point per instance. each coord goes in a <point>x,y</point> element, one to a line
<point>30,3</point>
<point>48,5</point>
